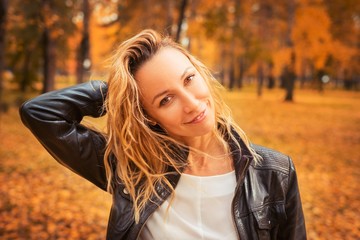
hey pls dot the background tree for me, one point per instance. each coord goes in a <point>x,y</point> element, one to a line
<point>316,39</point>
<point>290,74</point>
<point>49,46</point>
<point>84,61</point>
<point>24,42</point>
<point>170,17</point>
<point>3,16</point>
<point>345,28</point>
<point>264,25</point>
<point>38,34</point>
<point>289,77</point>
<point>181,18</point>
<point>57,26</point>
<point>240,40</point>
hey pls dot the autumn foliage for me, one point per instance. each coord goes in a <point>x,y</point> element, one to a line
<point>39,199</point>
<point>241,42</point>
<point>237,39</point>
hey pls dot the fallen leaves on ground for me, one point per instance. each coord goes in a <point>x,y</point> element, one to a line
<point>321,132</point>
<point>39,199</point>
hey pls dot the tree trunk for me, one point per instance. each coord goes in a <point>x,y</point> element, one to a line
<point>233,65</point>
<point>181,19</point>
<point>290,77</point>
<point>270,77</point>
<point>303,73</point>
<point>290,80</point>
<point>222,64</point>
<point>289,85</point>
<point>49,55</point>
<point>241,64</point>
<point>237,71</point>
<point>3,16</point>
<point>290,22</point>
<point>260,78</point>
<point>49,48</point>
<point>84,62</point>
<point>25,71</point>
<point>232,76</point>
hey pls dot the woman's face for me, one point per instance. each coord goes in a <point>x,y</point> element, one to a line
<point>175,95</point>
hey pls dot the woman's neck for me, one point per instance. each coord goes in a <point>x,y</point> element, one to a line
<point>208,156</point>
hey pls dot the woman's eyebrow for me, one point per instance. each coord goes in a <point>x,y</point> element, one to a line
<point>185,71</point>
<point>158,95</point>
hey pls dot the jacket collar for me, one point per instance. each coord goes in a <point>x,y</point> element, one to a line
<point>241,154</point>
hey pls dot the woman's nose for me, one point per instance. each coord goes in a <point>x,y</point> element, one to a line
<point>191,103</point>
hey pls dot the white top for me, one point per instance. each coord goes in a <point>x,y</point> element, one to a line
<point>201,209</point>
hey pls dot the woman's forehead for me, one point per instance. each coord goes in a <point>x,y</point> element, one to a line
<point>166,63</point>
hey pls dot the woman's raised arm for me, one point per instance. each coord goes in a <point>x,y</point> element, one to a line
<point>54,118</point>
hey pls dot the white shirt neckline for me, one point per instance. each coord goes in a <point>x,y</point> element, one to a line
<point>201,209</point>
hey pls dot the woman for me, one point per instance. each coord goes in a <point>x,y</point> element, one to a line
<point>177,165</point>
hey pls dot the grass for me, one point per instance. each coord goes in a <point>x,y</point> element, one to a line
<point>39,199</point>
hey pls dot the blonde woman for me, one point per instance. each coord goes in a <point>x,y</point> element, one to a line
<point>176,164</point>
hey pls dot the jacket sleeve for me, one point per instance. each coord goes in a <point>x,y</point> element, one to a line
<point>294,226</point>
<point>54,119</point>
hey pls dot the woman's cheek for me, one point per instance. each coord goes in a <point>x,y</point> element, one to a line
<point>170,115</point>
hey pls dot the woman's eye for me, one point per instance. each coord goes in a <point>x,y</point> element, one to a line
<point>189,78</point>
<point>165,100</point>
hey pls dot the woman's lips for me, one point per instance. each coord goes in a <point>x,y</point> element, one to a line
<point>198,118</point>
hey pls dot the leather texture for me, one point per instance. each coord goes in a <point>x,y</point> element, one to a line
<point>266,204</point>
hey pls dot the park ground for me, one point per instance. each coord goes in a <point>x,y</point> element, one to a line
<point>39,199</point>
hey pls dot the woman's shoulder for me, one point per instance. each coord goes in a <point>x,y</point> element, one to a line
<point>272,159</point>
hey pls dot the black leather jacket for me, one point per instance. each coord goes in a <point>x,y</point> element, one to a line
<point>266,204</point>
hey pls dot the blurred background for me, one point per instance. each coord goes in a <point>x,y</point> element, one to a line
<point>291,69</point>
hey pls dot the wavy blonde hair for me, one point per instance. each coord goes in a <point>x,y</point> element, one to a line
<point>143,154</point>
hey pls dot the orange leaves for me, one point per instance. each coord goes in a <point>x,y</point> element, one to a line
<point>39,199</point>
<point>312,34</point>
